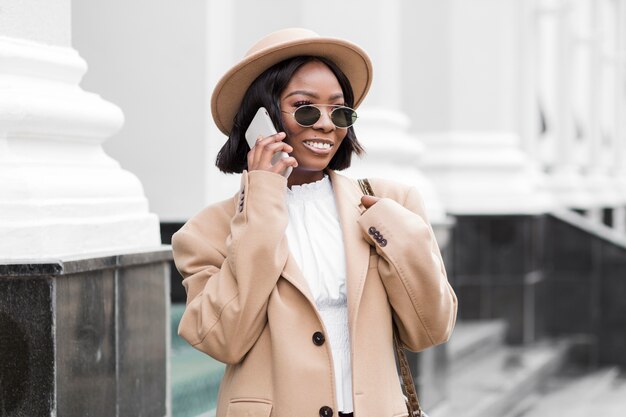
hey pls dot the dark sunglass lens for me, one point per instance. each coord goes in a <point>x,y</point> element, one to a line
<point>307,115</point>
<point>343,117</point>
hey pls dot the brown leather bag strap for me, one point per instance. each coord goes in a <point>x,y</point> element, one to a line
<point>412,402</point>
<point>366,188</point>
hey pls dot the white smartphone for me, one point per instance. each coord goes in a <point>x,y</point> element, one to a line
<point>262,125</point>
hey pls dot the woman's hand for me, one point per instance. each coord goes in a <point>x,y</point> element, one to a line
<point>369,200</point>
<point>260,156</point>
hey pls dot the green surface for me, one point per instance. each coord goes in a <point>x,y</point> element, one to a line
<point>195,376</point>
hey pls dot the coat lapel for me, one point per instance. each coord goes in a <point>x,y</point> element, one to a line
<point>348,199</point>
<point>292,273</point>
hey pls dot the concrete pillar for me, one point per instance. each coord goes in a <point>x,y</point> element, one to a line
<point>600,181</point>
<point>620,109</point>
<point>474,152</point>
<point>60,193</point>
<point>556,87</point>
<point>220,55</point>
<point>83,277</point>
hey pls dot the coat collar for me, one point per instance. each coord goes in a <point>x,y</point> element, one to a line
<point>348,200</point>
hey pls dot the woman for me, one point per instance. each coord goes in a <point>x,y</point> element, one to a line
<point>296,283</point>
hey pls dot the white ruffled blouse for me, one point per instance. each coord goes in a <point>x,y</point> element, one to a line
<point>315,240</point>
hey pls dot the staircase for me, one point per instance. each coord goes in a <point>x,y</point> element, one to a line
<point>490,379</point>
<point>580,394</point>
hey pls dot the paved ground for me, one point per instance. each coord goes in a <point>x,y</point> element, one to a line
<point>600,393</point>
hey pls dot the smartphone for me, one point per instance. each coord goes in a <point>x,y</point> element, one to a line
<point>262,125</point>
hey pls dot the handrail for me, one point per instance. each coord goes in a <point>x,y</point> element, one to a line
<point>597,229</point>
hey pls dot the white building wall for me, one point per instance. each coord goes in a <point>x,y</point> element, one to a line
<point>150,57</point>
<point>47,22</point>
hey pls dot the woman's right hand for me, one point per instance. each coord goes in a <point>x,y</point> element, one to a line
<point>260,156</point>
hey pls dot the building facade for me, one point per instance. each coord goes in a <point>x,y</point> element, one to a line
<point>508,115</point>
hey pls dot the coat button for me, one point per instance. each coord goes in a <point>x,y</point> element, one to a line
<point>383,242</point>
<point>326,411</point>
<point>319,339</point>
<point>372,230</point>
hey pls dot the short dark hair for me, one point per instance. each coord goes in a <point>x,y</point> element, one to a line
<point>265,92</point>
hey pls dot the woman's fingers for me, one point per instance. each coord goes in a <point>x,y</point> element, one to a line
<point>368,201</point>
<point>282,165</point>
<point>260,156</point>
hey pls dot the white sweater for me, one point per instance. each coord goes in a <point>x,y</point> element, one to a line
<point>315,240</point>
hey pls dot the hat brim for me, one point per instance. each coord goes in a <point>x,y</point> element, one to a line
<point>229,91</point>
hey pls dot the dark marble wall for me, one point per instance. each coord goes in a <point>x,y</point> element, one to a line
<point>141,347</point>
<point>495,266</point>
<point>85,343</point>
<point>587,277</point>
<point>611,329</point>
<point>177,291</point>
<point>26,348</point>
<point>574,278</point>
<point>85,337</point>
<point>546,278</point>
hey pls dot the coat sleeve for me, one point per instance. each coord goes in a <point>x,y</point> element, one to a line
<point>228,283</point>
<point>412,271</point>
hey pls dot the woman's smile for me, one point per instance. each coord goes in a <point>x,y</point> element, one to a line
<point>313,146</point>
<point>319,146</point>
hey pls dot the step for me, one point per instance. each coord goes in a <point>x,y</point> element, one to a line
<point>473,339</point>
<point>195,379</point>
<point>195,376</point>
<point>495,383</point>
<point>601,392</point>
<point>176,313</point>
<point>610,403</point>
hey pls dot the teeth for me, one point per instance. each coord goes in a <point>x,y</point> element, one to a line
<point>318,145</point>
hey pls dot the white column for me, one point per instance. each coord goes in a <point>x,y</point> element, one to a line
<point>583,91</point>
<point>600,182</point>
<point>620,110</point>
<point>384,125</point>
<point>546,51</point>
<point>565,180</point>
<point>530,109</point>
<point>473,132</point>
<point>220,56</point>
<point>60,194</point>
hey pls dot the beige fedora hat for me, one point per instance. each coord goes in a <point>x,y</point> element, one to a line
<point>276,47</point>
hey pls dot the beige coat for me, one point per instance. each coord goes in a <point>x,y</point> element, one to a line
<point>248,304</point>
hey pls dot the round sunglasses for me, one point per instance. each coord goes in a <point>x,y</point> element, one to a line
<point>307,115</point>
